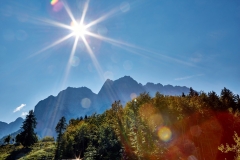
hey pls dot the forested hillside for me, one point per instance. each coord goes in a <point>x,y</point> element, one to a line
<point>76,102</point>
<point>194,126</point>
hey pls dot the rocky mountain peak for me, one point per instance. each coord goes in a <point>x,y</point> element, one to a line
<point>76,102</point>
<point>6,128</point>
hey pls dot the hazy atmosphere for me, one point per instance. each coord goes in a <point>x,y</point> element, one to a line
<point>193,43</point>
<point>120,79</point>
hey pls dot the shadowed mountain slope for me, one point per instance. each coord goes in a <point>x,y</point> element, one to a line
<point>6,129</point>
<point>76,102</point>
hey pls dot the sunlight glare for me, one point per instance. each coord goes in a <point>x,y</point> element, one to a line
<point>53,44</point>
<point>78,29</point>
<point>95,61</point>
<point>120,44</point>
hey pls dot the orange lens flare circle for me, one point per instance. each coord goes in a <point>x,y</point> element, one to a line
<point>165,134</point>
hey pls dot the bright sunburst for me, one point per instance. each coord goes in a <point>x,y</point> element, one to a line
<point>78,29</point>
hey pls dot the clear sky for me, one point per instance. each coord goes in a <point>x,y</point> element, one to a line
<point>193,43</point>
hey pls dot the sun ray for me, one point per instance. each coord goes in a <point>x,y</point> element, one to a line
<point>101,18</point>
<point>84,12</point>
<point>113,41</point>
<point>80,30</point>
<point>53,44</point>
<point>95,62</point>
<point>109,39</point>
<point>62,96</point>
<point>155,56</point>
<point>69,61</point>
<point>53,23</point>
<point>69,12</point>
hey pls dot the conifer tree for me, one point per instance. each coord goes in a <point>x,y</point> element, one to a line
<point>28,137</point>
<point>213,100</point>
<point>228,99</point>
<point>7,139</point>
<point>238,101</point>
<point>192,92</point>
<point>60,128</point>
<point>183,95</point>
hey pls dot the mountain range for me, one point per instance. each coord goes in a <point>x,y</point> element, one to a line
<point>6,128</point>
<point>77,102</point>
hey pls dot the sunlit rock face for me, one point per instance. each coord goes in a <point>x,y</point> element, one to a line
<point>76,102</point>
<point>6,129</point>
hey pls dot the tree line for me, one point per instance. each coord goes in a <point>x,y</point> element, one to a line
<point>160,127</point>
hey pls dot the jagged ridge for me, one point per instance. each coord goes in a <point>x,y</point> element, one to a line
<point>76,102</point>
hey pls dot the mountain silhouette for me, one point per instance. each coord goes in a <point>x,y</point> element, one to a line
<point>6,129</point>
<point>76,102</point>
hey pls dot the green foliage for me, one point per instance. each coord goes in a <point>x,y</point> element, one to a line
<point>233,148</point>
<point>40,150</point>
<point>7,139</point>
<point>228,99</point>
<point>91,152</point>
<point>192,92</point>
<point>133,132</point>
<point>160,127</point>
<point>60,128</point>
<point>28,137</point>
<point>48,139</point>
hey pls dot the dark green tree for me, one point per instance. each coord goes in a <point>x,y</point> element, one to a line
<point>7,139</point>
<point>228,99</point>
<point>81,118</point>
<point>28,137</point>
<point>60,128</point>
<point>213,100</point>
<point>18,138</point>
<point>108,144</point>
<point>91,152</point>
<point>238,101</point>
<point>183,95</point>
<point>192,92</point>
<point>81,140</point>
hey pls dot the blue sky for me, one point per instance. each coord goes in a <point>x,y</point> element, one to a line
<point>193,43</point>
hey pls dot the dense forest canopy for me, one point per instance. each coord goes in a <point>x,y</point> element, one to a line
<point>162,127</point>
<point>194,126</point>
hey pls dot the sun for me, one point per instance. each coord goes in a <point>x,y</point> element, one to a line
<point>78,29</point>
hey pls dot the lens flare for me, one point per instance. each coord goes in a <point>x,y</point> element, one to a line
<point>86,102</point>
<point>133,96</point>
<point>53,2</point>
<point>165,134</point>
<point>192,157</point>
<point>195,131</point>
